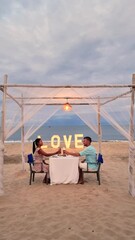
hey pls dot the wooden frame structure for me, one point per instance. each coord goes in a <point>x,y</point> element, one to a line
<point>5,86</point>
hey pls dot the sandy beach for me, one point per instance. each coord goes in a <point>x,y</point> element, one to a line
<point>68,212</point>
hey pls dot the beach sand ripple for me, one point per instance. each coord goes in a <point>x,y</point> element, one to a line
<point>69,212</point>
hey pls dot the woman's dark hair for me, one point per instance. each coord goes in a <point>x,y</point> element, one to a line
<point>88,138</point>
<point>35,144</point>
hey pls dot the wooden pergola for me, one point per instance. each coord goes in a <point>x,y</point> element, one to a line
<point>80,101</point>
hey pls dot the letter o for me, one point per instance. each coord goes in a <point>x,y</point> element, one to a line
<point>55,141</point>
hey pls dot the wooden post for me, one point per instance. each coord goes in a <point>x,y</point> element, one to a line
<point>4,109</point>
<point>22,135</point>
<point>131,165</point>
<point>1,167</point>
<point>3,114</point>
<point>99,127</point>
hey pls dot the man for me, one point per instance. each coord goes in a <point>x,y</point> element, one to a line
<point>90,162</point>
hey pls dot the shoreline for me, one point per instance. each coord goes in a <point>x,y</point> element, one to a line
<point>48,141</point>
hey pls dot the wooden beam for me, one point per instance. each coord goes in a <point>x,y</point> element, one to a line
<point>3,118</point>
<point>14,99</point>
<point>22,136</point>
<point>132,112</point>
<point>74,86</point>
<point>114,98</point>
<point>76,98</point>
<point>53,104</point>
<point>99,127</point>
<point>4,108</point>
<point>131,165</point>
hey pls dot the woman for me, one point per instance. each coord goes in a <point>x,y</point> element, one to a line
<point>39,157</point>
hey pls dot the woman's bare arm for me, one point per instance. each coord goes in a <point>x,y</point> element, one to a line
<point>42,152</point>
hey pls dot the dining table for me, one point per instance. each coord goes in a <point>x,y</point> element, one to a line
<point>63,169</point>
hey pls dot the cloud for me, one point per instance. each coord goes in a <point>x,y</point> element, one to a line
<point>67,41</point>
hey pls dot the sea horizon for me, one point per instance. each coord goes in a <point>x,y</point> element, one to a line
<point>47,132</point>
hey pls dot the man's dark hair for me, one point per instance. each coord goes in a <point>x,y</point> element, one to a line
<point>88,138</point>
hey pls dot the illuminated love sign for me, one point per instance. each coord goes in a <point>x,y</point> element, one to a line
<point>55,141</point>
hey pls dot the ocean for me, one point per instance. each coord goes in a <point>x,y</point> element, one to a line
<point>46,132</point>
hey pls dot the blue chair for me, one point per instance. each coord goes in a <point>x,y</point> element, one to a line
<point>32,172</point>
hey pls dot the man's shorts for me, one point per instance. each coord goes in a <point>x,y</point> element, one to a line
<point>83,166</point>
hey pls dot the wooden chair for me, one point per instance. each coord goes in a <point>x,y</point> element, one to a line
<point>97,171</point>
<point>32,172</point>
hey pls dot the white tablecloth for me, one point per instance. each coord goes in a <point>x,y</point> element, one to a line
<point>63,169</point>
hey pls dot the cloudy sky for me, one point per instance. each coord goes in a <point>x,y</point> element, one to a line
<point>67,41</point>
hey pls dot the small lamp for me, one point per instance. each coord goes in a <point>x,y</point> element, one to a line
<point>67,107</point>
